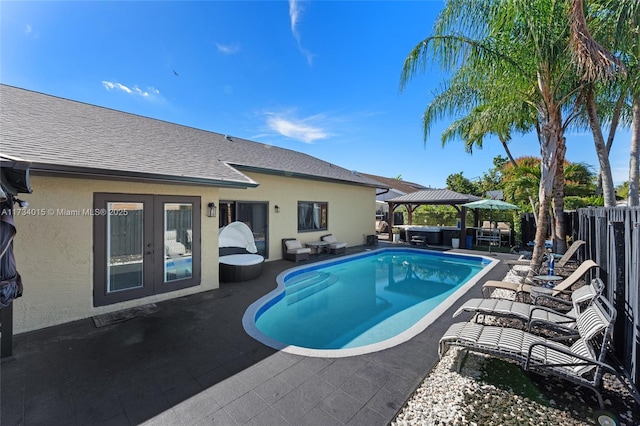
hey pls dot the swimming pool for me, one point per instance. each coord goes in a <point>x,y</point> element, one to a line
<point>361,303</point>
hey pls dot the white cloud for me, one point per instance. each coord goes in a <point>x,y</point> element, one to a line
<point>306,130</point>
<point>295,11</point>
<point>28,31</point>
<point>228,49</point>
<point>150,93</point>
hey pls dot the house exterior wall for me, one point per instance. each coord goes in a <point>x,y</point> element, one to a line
<point>54,252</point>
<point>55,256</point>
<point>351,208</point>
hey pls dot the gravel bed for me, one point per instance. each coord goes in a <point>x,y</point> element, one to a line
<point>491,391</point>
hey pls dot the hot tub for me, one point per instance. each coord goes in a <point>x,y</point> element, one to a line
<point>432,234</point>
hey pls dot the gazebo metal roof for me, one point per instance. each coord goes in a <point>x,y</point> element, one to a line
<point>434,196</point>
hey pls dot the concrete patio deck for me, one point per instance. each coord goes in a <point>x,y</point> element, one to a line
<point>192,363</point>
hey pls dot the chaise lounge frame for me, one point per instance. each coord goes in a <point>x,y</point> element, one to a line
<point>582,363</point>
<point>535,314</point>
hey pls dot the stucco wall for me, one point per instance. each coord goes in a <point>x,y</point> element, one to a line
<point>351,208</point>
<point>54,252</point>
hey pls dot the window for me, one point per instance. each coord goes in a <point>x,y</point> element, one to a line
<point>312,216</point>
<point>144,245</point>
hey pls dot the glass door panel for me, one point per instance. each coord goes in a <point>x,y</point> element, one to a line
<point>125,246</point>
<point>178,241</point>
<point>254,214</point>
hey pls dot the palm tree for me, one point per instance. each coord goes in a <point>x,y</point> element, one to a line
<point>617,22</point>
<point>518,46</point>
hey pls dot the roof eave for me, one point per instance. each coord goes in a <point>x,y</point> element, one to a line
<point>93,173</point>
<point>302,175</point>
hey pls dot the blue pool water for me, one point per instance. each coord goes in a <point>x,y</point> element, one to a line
<point>358,301</point>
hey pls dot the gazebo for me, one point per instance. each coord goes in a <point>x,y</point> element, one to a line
<point>433,196</point>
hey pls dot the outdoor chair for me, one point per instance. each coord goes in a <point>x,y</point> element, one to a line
<point>563,286</point>
<point>172,247</point>
<point>504,229</point>
<point>562,260</point>
<point>335,246</point>
<point>239,259</point>
<point>534,314</point>
<point>292,250</point>
<point>581,363</point>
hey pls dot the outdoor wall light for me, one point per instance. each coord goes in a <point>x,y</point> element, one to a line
<point>212,210</point>
<point>277,207</point>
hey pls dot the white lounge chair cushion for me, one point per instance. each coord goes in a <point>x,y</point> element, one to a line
<point>301,250</point>
<point>292,244</point>
<point>174,248</point>
<point>241,259</point>
<point>330,239</point>
<point>337,245</point>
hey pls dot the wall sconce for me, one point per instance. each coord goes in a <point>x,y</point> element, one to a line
<point>277,207</point>
<point>212,210</point>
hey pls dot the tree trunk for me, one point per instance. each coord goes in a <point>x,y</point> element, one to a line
<point>551,135</point>
<point>601,149</point>
<point>560,234</point>
<point>615,120</point>
<point>512,160</point>
<point>633,161</point>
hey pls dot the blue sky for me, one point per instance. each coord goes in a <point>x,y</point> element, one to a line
<point>319,77</point>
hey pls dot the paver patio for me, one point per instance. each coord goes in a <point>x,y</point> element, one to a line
<point>192,363</point>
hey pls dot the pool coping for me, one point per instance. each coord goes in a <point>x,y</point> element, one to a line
<point>248,319</point>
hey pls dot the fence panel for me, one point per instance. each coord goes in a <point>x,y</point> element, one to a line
<point>612,238</point>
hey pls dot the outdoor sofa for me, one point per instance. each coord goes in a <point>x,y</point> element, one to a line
<point>238,255</point>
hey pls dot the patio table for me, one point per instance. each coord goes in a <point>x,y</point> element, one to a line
<point>317,246</point>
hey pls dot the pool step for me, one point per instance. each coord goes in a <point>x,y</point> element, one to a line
<point>304,287</point>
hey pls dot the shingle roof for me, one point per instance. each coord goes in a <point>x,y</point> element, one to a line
<point>60,135</point>
<point>397,184</point>
<point>434,196</point>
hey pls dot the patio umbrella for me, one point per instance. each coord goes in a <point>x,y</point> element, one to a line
<point>10,281</point>
<point>491,205</point>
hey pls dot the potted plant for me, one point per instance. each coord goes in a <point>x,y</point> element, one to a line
<point>396,234</point>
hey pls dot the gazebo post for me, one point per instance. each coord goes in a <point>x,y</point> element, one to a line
<point>463,228</point>
<point>391,208</point>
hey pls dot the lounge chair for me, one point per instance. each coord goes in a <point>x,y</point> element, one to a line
<point>239,259</point>
<point>563,286</point>
<point>172,247</point>
<point>581,363</point>
<point>292,250</point>
<point>562,260</point>
<point>335,246</point>
<point>533,314</point>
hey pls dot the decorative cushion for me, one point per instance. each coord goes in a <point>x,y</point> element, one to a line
<point>330,239</point>
<point>292,244</point>
<point>241,259</point>
<point>174,248</point>
<point>299,250</point>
